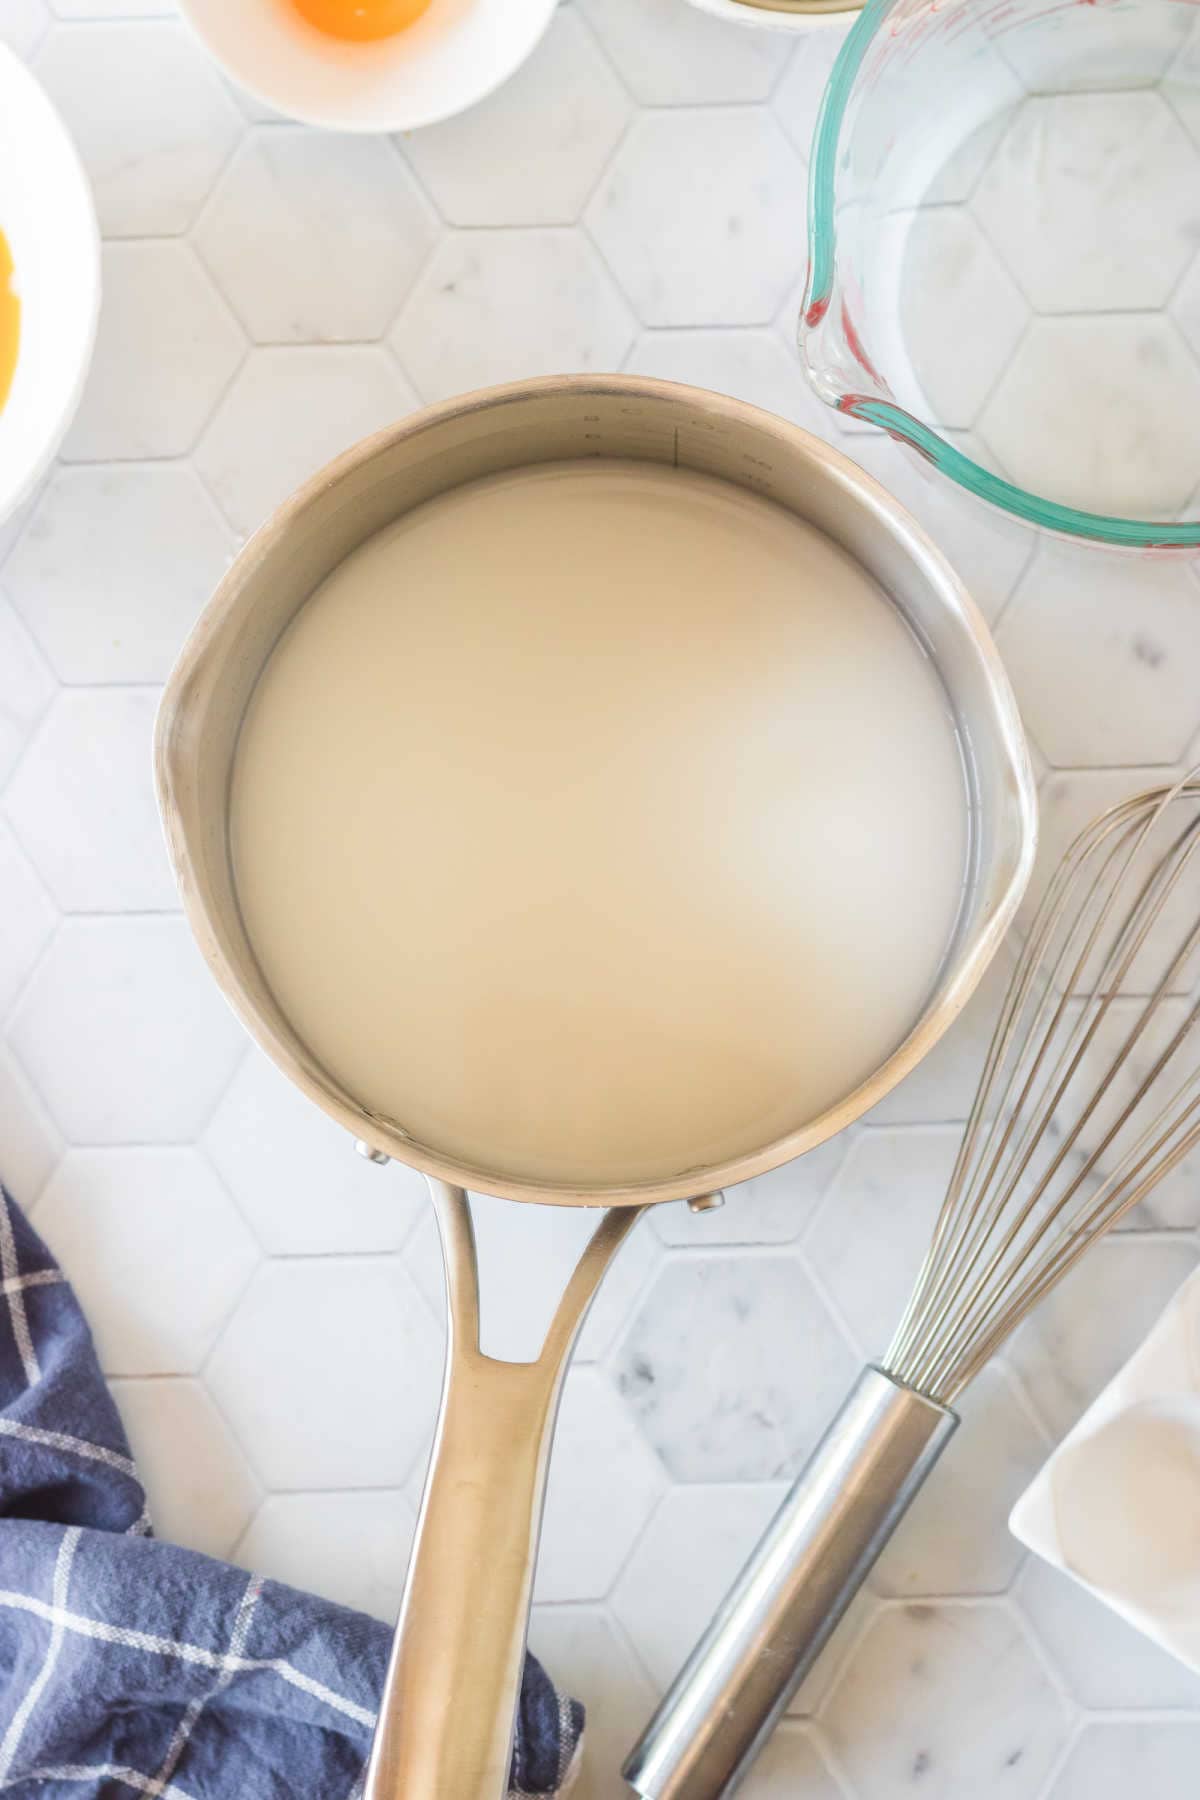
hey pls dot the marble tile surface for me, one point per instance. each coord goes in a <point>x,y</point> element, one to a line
<point>752,365</point>
<point>469,322</point>
<point>26,687</point>
<point>150,116</point>
<point>689,216</point>
<point>292,213</point>
<point>82,803</point>
<point>908,1715</point>
<point>1061,419</point>
<point>869,1237</point>
<point>1142,625</point>
<point>28,917</point>
<point>122,1032</point>
<point>105,1212</point>
<point>733,1365</point>
<point>634,199</point>
<point>76,548</point>
<point>1094,154</point>
<point>204,1488</point>
<point>288,411</point>
<point>286,1166</point>
<point>352,1546</point>
<point>692,1548</point>
<point>166,348</point>
<point>1108,1762</point>
<point>531,153</point>
<point>291,1315</point>
<point>957,291</point>
<point>670,54</point>
<point>955,1541</point>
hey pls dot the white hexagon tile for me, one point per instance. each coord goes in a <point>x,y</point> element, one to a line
<point>1073,261</point>
<point>1059,418</point>
<point>869,1236</point>
<point>669,54</point>
<point>752,365</point>
<point>771,1209</point>
<point>286,1165</point>
<point>151,116</point>
<point>123,1033</point>
<point>310,1330</point>
<point>469,321</point>
<point>199,1486</point>
<point>957,292</point>
<point>691,1550</point>
<point>1069,798</point>
<point>108,1214</point>
<point>82,804</point>
<point>634,198</point>
<point>1108,1762</point>
<point>26,687</point>
<point>98,614</point>
<point>699,216</point>
<point>949,1699</point>
<point>292,213</point>
<point>1142,624</point>
<point>533,151</point>
<point>166,349</point>
<point>350,1547</point>
<point>289,410</point>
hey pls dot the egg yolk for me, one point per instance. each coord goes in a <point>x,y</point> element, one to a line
<point>10,321</point>
<point>360,19</point>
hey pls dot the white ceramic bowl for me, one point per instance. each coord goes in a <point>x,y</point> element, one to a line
<point>47,216</point>
<point>455,54</point>
<point>761,15</point>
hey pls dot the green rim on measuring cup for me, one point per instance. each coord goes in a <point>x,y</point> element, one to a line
<point>848,196</point>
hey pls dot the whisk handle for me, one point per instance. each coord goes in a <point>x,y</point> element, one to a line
<point>777,1617</point>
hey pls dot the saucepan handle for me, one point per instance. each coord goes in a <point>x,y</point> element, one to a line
<point>780,1612</point>
<point>446,1717</point>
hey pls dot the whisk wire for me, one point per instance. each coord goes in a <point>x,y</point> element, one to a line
<point>1048,1161</point>
<point>974,1227</point>
<point>1033,1291</point>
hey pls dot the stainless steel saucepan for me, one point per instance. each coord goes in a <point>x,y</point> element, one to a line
<point>465,1611</point>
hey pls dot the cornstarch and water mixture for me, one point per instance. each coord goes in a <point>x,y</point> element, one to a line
<point>597,821</point>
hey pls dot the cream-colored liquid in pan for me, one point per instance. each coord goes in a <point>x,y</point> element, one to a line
<point>599,821</point>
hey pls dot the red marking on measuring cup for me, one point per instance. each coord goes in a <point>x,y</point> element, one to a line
<point>856,347</point>
<point>1168,552</point>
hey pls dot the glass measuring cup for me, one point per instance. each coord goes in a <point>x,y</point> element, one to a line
<point>1004,254</point>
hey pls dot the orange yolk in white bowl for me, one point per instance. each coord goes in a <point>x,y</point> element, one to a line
<point>360,20</point>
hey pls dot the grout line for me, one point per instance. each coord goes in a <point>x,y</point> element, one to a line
<point>580,14</point>
<point>438,220</point>
<point>18,1000</point>
<point>823,1743</point>
<point>632,1648</point>
<point>1060,1761</point>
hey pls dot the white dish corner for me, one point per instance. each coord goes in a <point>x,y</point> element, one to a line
<point>1113,1535</point>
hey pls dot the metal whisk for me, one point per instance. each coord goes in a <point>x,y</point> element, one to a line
<point>1089,1097</point>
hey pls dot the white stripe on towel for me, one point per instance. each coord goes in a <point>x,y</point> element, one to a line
<point>62,1578</point>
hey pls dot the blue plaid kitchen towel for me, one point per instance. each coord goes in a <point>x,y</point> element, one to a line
<point>129,1666</point>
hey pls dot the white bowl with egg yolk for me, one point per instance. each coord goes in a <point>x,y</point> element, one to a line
<point>449,58</point>
<point>49,223</point>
